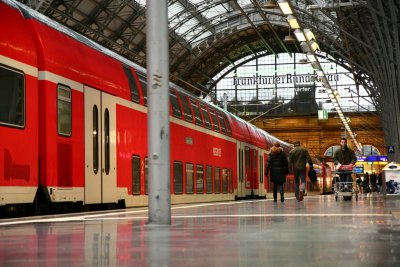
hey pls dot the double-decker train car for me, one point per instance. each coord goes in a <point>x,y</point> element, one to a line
<point>73,127</point>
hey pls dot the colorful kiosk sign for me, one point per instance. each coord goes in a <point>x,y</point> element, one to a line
<point>372,159</point>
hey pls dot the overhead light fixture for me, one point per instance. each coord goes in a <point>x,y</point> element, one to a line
<point>324,80</point>
<point>299,35</point>
<point>309,34</point>
<point>326,85</point>
<point>285,7</point>
<point>293,23</point>
<point>316,66</point>
<point>270,4</point>
<point>320,73</point>
<point>311,57</point>
<point>289,39</point>
<point>304,46</point>
<point>303,61</point>
<point>314,46</point>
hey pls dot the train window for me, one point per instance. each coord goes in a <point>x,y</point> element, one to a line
<point>206,117</point>
<point>146,175</point>
<point>135,175</point>
<point>209,179</point>
<point>107,141</point>
<point>186,108</point>
<point>132,85</point>
<point>176,108</point>
<point>228,127</point>
<point>178,177</point>
<point>224,180</point>
<point>95,139</point>
<point>199,179</point>
<point>214,120</point>
<point>222,122</point>
<point>135,97</point>
<point>12,97</point>
<point>143,84</point>
<point>217,183</point>
<point>197,116</point>
<point>189,178</point>
<point>64,110</point>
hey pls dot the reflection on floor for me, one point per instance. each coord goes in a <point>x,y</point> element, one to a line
<point>316,232</point>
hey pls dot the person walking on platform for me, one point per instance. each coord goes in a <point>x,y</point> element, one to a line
<point>366,183</point>
<point>373,179</point>
<point>380,182</point>
<point>298,158</point>
<point>277,169</point>
<point>344,156</point>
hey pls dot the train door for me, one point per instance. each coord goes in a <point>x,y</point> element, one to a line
<point>247,169</point>
<point>241,186</point>
<point>100,147</point>
<point>254,183</point>
<point>266,179</point>
<point>261,178</point>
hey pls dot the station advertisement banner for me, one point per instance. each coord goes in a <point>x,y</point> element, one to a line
<point>391,173</point>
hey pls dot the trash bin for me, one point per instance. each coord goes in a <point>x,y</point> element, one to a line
<point>391,180</point>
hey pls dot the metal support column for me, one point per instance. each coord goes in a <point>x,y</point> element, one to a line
<point>158,112</point>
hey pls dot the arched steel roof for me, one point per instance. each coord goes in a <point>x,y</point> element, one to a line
<point>208,36</point>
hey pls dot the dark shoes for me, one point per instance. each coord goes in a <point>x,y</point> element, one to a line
<point>301,196</point>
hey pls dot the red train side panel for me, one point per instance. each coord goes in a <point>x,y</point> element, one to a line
<point>18,110</point>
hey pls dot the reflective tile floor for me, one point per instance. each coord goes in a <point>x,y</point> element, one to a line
<point>316,232</point>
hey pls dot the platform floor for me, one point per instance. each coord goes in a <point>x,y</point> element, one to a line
<point>316,232</point>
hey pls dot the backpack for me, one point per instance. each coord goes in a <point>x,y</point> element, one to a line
<point>312,174</point>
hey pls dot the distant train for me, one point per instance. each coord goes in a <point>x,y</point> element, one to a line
<point>73,127</point>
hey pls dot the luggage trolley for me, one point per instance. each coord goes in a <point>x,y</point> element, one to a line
<point>342,188</point>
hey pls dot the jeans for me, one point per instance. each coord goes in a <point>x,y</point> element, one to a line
<point>299,182</point>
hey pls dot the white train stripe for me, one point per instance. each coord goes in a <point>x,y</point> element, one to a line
<point>131,105</point>
<point>54,78</point>
<point>27,69</point>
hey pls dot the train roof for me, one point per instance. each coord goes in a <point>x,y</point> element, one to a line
<point>241,130</point>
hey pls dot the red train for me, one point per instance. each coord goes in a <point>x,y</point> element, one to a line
<point>73,127</point>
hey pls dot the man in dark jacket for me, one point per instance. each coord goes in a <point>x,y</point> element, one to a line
<point>344,156</point>
<point>298,158</point>
<point>277,169</point>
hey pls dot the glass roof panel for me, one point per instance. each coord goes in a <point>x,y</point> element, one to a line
<point>201,37</point>
<point>243,3</point>
<point>210,11</point>
<point>183,23</point>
